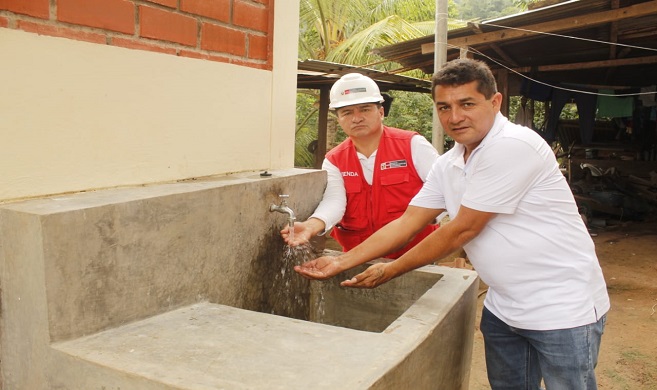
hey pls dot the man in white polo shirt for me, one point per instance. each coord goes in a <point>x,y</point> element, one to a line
<point>512,211</point>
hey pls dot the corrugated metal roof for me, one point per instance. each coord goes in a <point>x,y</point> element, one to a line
<point>314,74</point>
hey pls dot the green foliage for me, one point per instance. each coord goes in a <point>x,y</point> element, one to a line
<point>569,111</point>
<point>539,111</point>
<point>488,9</point>
<point>306,127</point>
<point>411,111</point>
<point>307,108</point>
<point>302,156</point>
<point>357,48</point>
<point>346,31</point>
<point>523,4</point>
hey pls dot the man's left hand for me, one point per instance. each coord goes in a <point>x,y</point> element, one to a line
<point>373,276</point>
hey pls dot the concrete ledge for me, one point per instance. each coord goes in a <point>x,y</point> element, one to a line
<point>214,346</point>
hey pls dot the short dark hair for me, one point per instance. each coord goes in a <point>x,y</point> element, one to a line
<point>463,71</point>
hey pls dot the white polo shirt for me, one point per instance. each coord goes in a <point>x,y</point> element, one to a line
<point>535,255</point>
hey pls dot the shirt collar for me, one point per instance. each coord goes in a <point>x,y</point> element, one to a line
<point>495,131</point>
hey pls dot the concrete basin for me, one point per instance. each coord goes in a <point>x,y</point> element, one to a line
<point>185,286</point>
<point>414,332</point>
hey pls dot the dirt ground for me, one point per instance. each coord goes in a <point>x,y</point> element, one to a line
<point>628,354</point>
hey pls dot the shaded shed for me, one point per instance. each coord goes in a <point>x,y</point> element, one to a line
<point>580,50</point>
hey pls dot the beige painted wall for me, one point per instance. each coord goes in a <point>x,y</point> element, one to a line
<point>77,116</point>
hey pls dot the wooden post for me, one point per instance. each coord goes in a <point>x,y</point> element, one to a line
<point>320,151</point>
<point>503,88</point>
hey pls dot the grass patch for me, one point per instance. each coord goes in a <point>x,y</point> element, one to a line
<point>635,371</point>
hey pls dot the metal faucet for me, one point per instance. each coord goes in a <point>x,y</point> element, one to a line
<point>283,208</point>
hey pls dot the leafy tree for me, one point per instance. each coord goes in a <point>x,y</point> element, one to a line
<point>524,4</point>
<point>306,129</point>
<point>345,31</point>
<point>488,9</point>
<point>411,111</point>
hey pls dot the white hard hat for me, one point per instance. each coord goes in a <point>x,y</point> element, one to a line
<point>354,88</point>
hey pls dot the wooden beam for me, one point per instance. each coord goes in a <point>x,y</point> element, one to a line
<point>590,64</point>
<point>613,38</point>
<point>567,24</point>
<point>613,34</point>
<point>494,46</point>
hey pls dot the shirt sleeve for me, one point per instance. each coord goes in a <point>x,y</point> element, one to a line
<point>431,194</point>
<point>424,155</point>
<point>334,202</point>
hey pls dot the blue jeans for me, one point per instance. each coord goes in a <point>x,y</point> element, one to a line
<point>517,359</point>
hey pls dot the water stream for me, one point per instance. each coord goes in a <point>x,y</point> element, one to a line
<point>291,234</point>
<point>295,287</point>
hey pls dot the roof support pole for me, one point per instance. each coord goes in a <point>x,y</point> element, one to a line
<point>322,126</point>
<point>439,59</point>
<point>502,77</point>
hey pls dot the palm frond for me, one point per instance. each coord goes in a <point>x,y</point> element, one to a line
<point>429,27</point>
<point>358,47</point>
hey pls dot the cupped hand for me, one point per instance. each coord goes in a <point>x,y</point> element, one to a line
<point>373,276</point>
<point>319,269</point>
<point>301,236</point>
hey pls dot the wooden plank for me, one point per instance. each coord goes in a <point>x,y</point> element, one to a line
<point>643,182</point>
<point>567,24</point>
<point>475,28</point>
<point>590,64</point>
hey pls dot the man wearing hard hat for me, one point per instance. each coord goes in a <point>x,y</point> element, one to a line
<point>372,175</point>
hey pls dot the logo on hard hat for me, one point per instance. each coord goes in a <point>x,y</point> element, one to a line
<point>354,90</point>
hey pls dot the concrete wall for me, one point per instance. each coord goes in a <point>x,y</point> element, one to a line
<point>79,264</point>
<point>371,310</point>
<point>445,358</point>
<point>88,104</point>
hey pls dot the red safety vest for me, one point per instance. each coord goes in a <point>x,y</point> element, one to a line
<point>394,183</point>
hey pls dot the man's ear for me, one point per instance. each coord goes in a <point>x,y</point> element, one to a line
<point>497,101</point>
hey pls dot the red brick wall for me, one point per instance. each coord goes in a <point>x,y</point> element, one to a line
<point>234,31</point>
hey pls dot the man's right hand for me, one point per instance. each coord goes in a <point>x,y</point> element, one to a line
<point>302,234</point>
